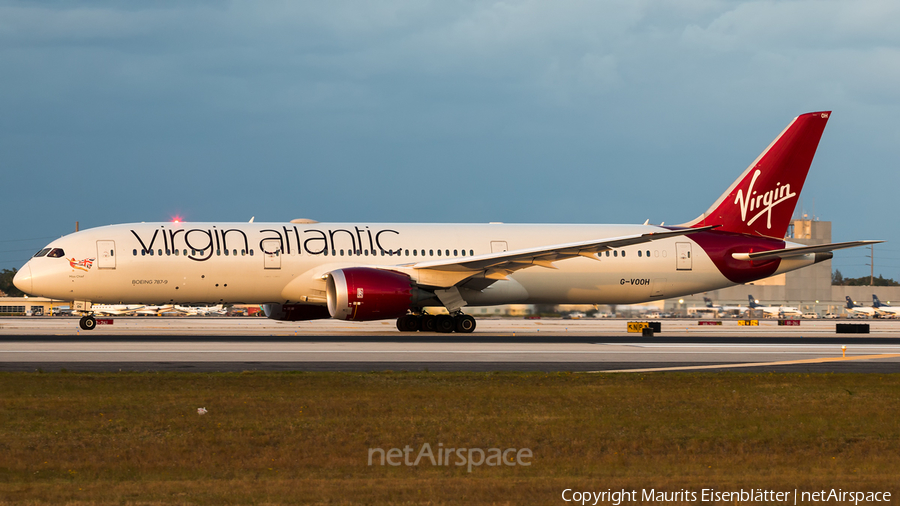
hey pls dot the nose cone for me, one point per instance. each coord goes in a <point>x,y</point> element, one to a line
<point>23,280</point>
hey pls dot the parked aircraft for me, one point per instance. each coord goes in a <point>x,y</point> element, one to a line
<point>884,311</point>
<point>116,309</point>
<point>853,308</point>
<point>773,311</point>
<point>305,270</point>
<point>724,309</point>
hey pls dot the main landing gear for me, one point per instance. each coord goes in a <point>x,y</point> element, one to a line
<point>445,323</point>
<point>87,322</point>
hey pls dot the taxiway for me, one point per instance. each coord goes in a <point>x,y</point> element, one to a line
<point>238,344</point>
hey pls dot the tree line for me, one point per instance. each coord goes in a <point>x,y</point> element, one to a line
<point>838,279</point>
<point>6,283</point>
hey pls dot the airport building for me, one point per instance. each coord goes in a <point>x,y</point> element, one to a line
<point>30,306</point>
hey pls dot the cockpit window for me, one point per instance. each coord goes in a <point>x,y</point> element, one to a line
<point>56,253</point>
<point>41,252</point>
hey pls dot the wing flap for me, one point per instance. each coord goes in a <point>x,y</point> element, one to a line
<point>497,266</point>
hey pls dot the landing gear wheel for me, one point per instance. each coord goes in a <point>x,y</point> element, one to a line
<point>444,323</point>
<point>465,324</point>
<point>408,323</point>
<point>426,324</point>
<point>87,323</point>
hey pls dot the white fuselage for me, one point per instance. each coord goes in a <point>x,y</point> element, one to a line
<point>194,263</point>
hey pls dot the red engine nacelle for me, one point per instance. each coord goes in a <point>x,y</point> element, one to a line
<point>363,293</point>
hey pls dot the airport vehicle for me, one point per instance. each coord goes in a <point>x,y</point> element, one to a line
<point>773,311</point>
<point>857,311</point>
<point>810,315</point>
<point>884,311</point>
<point>832,316</point>
<point>304,270</point>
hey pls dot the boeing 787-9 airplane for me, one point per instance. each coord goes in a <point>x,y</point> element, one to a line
<point>304,270</point>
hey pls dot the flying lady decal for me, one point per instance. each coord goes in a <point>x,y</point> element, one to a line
<point>84,265</point>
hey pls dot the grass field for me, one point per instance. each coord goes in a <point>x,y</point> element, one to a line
<point>304,438</point>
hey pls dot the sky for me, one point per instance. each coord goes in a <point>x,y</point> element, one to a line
<point>443,111</point>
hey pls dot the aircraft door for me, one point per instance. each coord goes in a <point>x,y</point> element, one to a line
<point>106,254</point>
<point>271,250</point>
<point>499,246</point>
<point>683,254</point>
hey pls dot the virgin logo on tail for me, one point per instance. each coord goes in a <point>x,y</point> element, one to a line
<point>763,203</point>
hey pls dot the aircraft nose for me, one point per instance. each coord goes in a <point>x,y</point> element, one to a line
<point>23,280</point>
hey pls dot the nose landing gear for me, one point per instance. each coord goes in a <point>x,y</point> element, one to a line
<point>87,322</point>
<point>459,322</point>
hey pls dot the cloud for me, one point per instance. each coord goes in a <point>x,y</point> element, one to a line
<point>544,111</point>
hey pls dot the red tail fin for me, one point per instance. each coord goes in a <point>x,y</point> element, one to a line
<point>762,200</point>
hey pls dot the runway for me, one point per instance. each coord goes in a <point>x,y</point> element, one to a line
<point>601,346</point>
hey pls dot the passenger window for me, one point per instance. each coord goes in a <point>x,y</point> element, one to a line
<point>607,252</point>
<point>471,253</point>
<point>367,252</point>
<point>639,253</point>
<point>648,253</point>
<point>56,253</point>
<point>134,252</point>
<point>623,253</point>
<point>251,252</point>
<point>160,251</point>
<point>44,252</point>
<point>439,252</point>
<point>447,252</point>
<point>143,252</point>
<point>176,252</point>
<point>406,253</point>
<point>463,252</point>
<point>342,252</point>
<point>415,252</point>
<point>616,253</point>
<point>455,253</point>
<point>234,252</point>
<point>431,252</point>
<point>151,252</point>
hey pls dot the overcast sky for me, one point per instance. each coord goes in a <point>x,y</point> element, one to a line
<point>397,111</point>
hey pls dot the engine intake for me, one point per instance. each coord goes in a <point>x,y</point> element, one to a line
<point>363,294</point>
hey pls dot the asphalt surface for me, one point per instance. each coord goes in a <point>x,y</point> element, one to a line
<point>255,344</point>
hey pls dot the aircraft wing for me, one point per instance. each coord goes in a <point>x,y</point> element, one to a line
<point>792,252</point>
<point>497,266</point>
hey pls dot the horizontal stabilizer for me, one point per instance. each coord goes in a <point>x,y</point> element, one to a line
<point>793,252</point>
